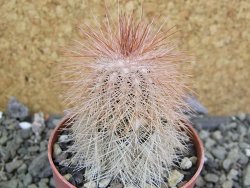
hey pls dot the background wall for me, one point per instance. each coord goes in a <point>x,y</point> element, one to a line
<point>217,32</point>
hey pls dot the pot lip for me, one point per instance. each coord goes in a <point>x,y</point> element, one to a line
<point>50,147</point>
<point>199,146</point>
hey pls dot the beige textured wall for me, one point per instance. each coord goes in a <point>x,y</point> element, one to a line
<point>217,32</point>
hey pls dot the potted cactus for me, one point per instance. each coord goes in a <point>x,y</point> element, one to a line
<point>127,120</point>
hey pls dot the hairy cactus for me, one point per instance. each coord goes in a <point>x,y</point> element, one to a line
<point>126,96</point>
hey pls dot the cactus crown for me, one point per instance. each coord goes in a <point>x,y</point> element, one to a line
<point>126,93</point>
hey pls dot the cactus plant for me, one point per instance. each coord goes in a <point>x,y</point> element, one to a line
<point>126,101</point>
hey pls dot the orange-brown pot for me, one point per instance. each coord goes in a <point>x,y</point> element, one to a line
<point>61,182</point>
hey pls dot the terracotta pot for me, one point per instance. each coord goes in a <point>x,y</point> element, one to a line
<point>61,182</point>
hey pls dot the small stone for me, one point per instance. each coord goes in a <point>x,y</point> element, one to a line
<point>63,138</point>
<point>42,184</point>
<point>33,149</point>
<point>247,151</point>
<point>22,169</point>
<point>246,176</point>
<point>16,109</point>
<point>3,176</point>
<point>61,157</point>
<point>242,116</point>
<point>104,182</point>
<point>233,155</point>
<point>38,124</point>
<point>13,165</point>
<point>244,145</point>
<point>193,159</point>
<point>209,143</point>
<point>32,186</point>
<point>243,159</point>
<point>116,185</point>
<point>217,135</point>
<point>200,182</point>
<point>40,167</point>
<point>53,121</point>
<point>3,139</point>
<point>226,164</point>
<point>4,154</point>
<point>56,121</point>
<point>9,184</point>
<point>186,163</point>
<point>227,184</point>
<point>90,184</point>
<point>223,178</point>
<point>219,152</point>
<point>211,178</point>
<point>78,178</point>
<point>52,182</point>
<point>27,179</point>
<point>25,133</point>
<point>56,150</point>
<point>1,115</point>
<point>233,175</point>
<point>204,134</point>
<point>25,125</point>
<point>174,178</point>
<point>67,176</point>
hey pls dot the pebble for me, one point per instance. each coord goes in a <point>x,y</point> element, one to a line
<point>38,164</point>
<point>32,186</point>
<point>56,150</point>
<point>193,159</point>
<point>38,124</point>
<point>242,116</point>
<point>174,178</point>
<point>90,184</point>
<point>67,176</point>
<point>13,165</point>
<point>227,184</point>
<point>219,152</point>
<point>104,183</point>
<point>63,138</point>
<point>246,177</point>
<point>217,135</point>
<point>52,182</point>
<point>200,181</point>
<point>116,185</point>
<point>25,133</point>
<point>247,151</point>
<point>27,179</point>
<point>186,163</point>
<point>226,164</point>
<point>233,155</point>
<point>25,125</point>
<point>209,143</point>
<point>9,184</point>
<point>233,175</point>
<point>209,177</point>
<point>1,115</point>
<point>16,109</point>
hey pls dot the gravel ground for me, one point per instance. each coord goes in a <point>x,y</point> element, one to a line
<point>24,138</point>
